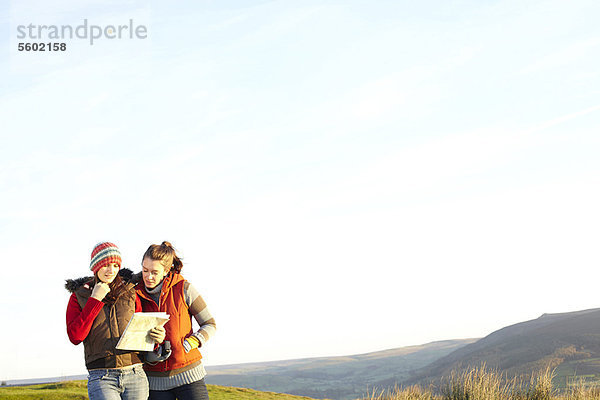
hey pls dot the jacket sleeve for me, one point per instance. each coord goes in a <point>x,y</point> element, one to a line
<point>79,322</point>
<point>198,309</point>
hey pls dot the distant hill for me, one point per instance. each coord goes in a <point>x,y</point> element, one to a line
<point>337,378</point>
<point>38,381</point>
<point>569,342</point>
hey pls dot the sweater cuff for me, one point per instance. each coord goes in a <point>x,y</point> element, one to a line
<point>200,338</point>
<point>190,343</point>
<point>93,305</point>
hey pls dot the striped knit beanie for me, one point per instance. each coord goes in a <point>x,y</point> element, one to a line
<point>103,254</point>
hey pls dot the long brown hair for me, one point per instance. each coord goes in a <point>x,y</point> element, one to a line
<point>116,288</point>
<point>165,253</point>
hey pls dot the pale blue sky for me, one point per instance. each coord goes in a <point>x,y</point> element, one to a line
<point>340,177</point>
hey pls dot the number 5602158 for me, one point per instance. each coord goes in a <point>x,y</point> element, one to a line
<point>42,46</point>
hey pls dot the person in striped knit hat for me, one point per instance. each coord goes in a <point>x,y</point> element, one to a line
<point>181,375</point>
<point>98,312</point>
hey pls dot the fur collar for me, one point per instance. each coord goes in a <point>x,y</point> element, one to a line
<point>126,274</point>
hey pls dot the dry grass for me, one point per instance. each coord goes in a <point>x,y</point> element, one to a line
<point>484,384</point>
<point>411,393</point>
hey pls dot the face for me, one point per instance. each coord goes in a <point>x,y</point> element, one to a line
<point>108,273</point>
<point>153,272</point>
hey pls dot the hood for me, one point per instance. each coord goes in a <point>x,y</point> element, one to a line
<point>126,274</point>
<point>172,279</point>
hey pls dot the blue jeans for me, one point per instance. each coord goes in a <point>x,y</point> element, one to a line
<point>191,391</point>
<point>129,383</point>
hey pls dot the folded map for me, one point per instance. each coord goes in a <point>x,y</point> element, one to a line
<point>136,335</point>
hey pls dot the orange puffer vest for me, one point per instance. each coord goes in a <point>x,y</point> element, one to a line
<point>179,326</point>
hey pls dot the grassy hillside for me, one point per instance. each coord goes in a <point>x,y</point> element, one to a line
<point>76,390</point>
<point>567,342</point>
<point>476,384</point>
<point>346,377</point>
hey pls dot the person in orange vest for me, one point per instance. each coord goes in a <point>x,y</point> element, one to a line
<point>98,312</point>
<point>181,375</point>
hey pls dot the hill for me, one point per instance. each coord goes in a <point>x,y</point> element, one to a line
<point>569,342</point>
<point>76,390</point>
<point>345,377</point>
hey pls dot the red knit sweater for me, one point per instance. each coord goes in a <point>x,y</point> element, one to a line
<point>79,322</point>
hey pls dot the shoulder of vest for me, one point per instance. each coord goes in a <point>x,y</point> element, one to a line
<point>181,285</point>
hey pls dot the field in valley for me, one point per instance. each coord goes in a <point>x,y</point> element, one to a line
<point>76,390</point>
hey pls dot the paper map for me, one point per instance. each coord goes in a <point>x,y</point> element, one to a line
<point>136,336</point>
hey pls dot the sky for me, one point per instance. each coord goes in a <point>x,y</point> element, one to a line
<point>339,177</point>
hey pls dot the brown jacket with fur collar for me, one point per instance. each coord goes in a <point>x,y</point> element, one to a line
<point>108,323</point>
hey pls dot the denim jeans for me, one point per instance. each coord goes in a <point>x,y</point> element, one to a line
<point>129,383</point>
<point>191,391</point>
